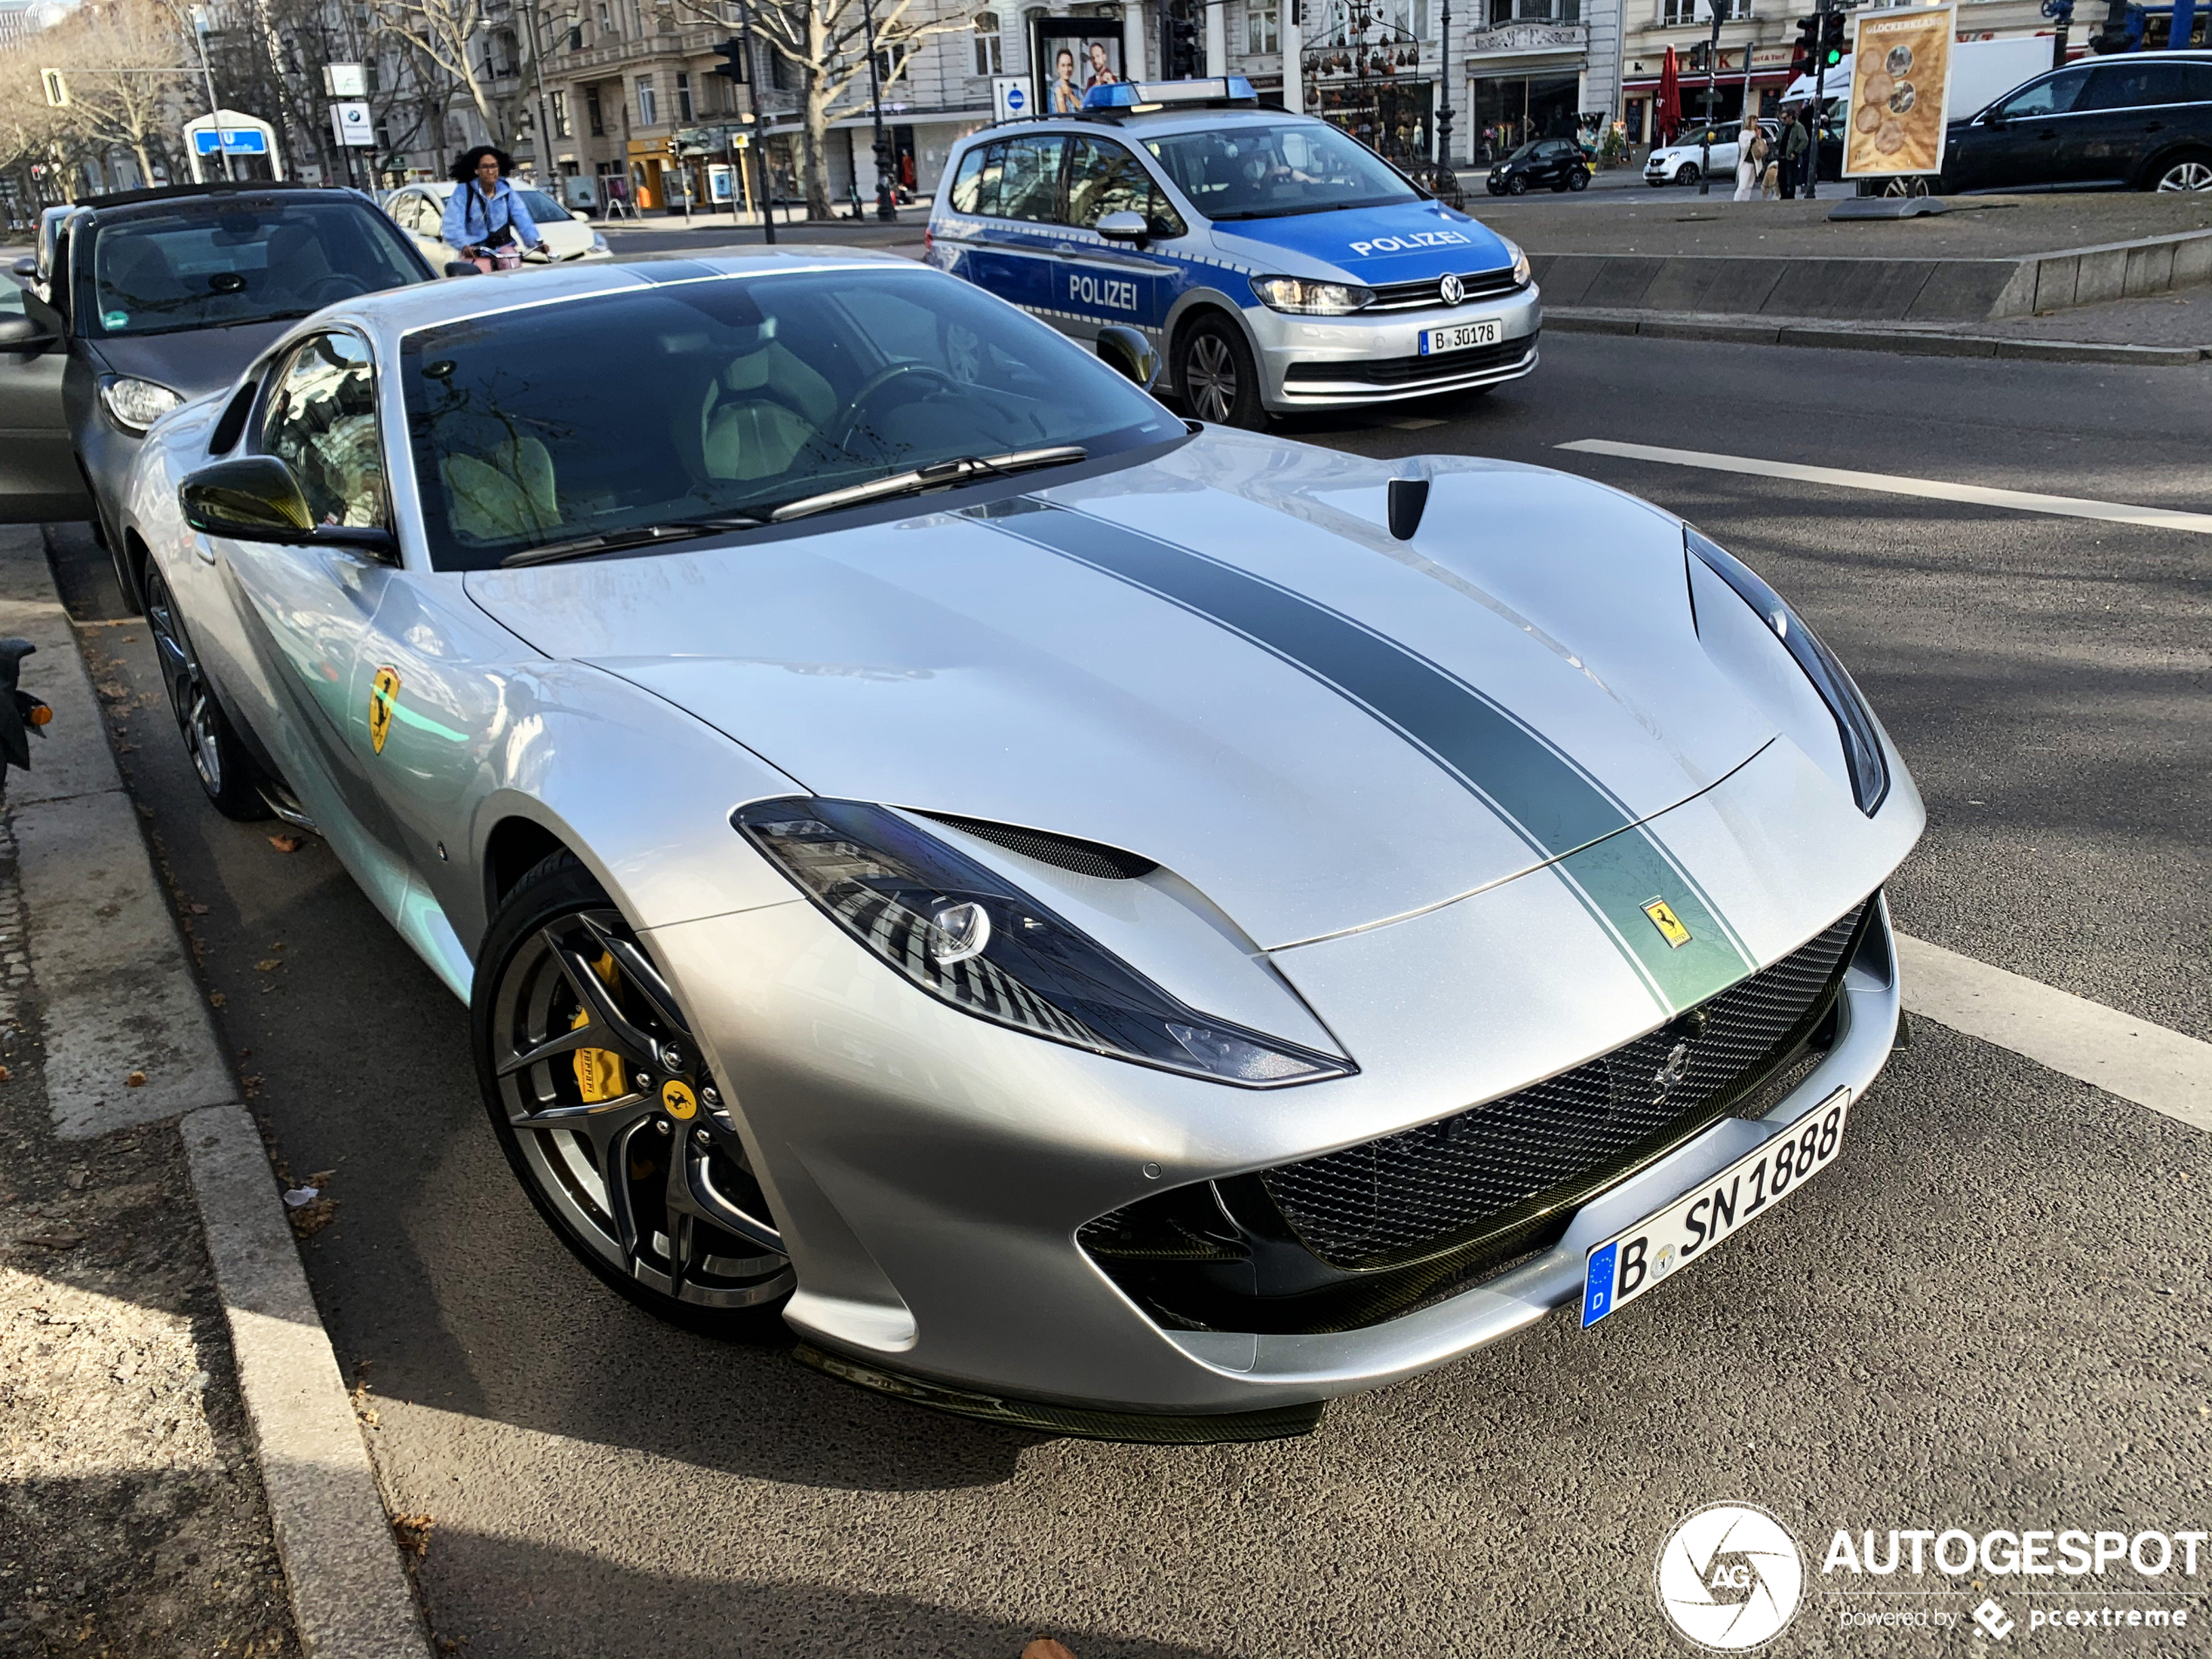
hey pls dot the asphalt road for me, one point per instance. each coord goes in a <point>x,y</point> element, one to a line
<point>1992,1312</point>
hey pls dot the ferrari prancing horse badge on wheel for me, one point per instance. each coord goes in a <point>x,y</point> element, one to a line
<point>383,698</point>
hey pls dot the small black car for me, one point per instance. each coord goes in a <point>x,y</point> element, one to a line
<point>1558,163</point>
<point>2133,121</point>
<point>137,302</point>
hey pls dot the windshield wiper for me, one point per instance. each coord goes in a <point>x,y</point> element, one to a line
<point>579,547</point>
<point>937,475</point>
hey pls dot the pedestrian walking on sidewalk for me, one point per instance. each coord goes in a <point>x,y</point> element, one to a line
<point>1752,152</point>
<point>1795,142</point>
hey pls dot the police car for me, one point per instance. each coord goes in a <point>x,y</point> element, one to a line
<point>1274,262</point>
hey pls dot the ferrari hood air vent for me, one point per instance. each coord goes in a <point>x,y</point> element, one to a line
<point>1063,851</point>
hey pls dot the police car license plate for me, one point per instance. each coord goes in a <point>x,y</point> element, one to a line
<point>1459,336</point>
<point>1626,1265</point>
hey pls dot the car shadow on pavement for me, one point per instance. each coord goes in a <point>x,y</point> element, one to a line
<point>470,1583</point>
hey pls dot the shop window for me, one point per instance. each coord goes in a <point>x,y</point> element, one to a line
<point>990,44</point>
<point>1263,29</point>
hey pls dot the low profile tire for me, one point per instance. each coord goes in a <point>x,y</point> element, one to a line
<point>227,775</point>
<point>1517,185</point>
<point>1216,376</point>
<point>599,1099</point>
<point>2183,173</point>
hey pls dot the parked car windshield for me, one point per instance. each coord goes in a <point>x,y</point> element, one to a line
<point>1254,171</point>
<point>730,398</point>
<point>212,264</point>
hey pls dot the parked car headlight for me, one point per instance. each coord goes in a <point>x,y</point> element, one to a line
<point>970,938</point>
<point>1308,298</point>
<point>1520,261</point>
<point>1869,772</point>
<point>134,405</point>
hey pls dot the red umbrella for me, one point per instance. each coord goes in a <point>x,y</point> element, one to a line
<point>1666,116</point>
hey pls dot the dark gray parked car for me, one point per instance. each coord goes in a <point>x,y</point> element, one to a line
<point>2133,121</point>
<point>136,302</point>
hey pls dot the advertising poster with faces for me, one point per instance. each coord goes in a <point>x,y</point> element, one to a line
<point>1900,77</point>
<point>1068,55</point>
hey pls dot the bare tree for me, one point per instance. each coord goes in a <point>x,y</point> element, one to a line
<point>827,42</point>
<point>30,131</point>
<point>124,61</point>
<point>438,32</point>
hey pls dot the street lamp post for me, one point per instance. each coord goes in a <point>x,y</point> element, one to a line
<point>886,206</point>
<point>1444,78</point>
<point>759,138</point>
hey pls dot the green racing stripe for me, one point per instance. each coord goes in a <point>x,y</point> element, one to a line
<point>1613,864</point>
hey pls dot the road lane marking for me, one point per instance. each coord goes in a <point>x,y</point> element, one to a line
<point>2020,501</point>
<point>2070,1034</point>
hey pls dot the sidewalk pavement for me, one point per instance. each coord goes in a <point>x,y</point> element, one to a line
<point>185,1487</point>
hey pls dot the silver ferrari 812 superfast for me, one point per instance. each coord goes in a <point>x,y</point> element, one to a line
<point>1100,923</point>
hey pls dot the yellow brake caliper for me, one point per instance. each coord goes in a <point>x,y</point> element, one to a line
<point>598,1071</point>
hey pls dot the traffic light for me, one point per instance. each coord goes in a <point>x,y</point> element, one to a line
<point>733,66</point>
<point>1831,40</point>
<point>1181,28</point>
<point>1807,43</point>
<point>1700,57</point>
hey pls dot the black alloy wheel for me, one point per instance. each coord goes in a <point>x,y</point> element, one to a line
<point>1216,376</point>
<point>1517,184</point>
<point>228,774</point>
<point>1688,174</point>
<point>1579,179</point>
<point>601,1100</point>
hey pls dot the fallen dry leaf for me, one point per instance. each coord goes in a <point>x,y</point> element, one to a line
<point>311,1219</point>
<point>1046,1647</point>
<point>216,1000</point>
<point>284,843</point>
<point>413,1532</point>
<point>57,1239</point>
<point>197,909</point>
<point>268,965</point>
<point>3,1073</point>
<point>136,1080</point>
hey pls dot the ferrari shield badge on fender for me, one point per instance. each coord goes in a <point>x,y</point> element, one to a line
<point>1669,924</point>
<point>383,698</point>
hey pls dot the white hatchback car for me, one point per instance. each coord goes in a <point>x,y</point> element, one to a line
<point>1683,161</point>
<point>419,210</point>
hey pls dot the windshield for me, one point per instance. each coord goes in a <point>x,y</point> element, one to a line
<point>542,208</point>
<point>1265,171</point>
<point>204,265</point>
<point>732,397</point>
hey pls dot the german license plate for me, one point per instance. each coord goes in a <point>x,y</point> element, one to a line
<point>1461,335</point>
<point>1626,1265</point>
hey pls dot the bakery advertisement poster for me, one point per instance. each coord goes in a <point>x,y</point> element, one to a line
<point>1900,77</point>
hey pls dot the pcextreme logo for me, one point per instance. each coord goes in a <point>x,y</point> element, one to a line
<point>1729,1577</point>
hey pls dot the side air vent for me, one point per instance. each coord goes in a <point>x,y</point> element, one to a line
<point>1063,851</point>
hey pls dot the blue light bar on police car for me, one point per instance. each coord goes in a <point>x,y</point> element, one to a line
<point>1132,95</point>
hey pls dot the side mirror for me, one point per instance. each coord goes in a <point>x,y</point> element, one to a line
<point>26,334</point>
<point>462,267</point>
<point>1123,227</point>
<point>27,268</point>
<point>255,498</point>
<point>1127,351</point>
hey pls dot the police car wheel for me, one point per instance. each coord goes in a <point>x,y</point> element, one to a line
<point>1517,185</point>
<point>1218,380</point>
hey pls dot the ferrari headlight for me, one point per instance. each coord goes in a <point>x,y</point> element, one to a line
<point>1869,772</point>
<point>135,405</point>
<point>1309,299</point>
<point>1521,272</point>
<point>970,938</point>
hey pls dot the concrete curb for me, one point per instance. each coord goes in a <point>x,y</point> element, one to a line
<point>1829,336</point>
<point>115,995</point>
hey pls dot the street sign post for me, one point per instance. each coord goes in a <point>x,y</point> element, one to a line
<point>1010,96</point>
<point>352,124</point>
<point>345,80</point>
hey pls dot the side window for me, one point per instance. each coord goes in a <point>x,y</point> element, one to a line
<point>1104,177</point>
<point>320,420</point>
<point>1030,185</point>
<point>2053,97</point>
<point>967,182</point>
<point>2120,86</point>
<point>2194,82</point>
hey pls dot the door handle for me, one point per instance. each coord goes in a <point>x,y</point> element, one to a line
<point>1069,250</point>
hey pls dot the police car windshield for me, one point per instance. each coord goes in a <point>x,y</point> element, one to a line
<point>1255,171</point>
<point>726,399</point>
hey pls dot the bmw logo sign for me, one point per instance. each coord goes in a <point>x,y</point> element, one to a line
<point>1450,291</point>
